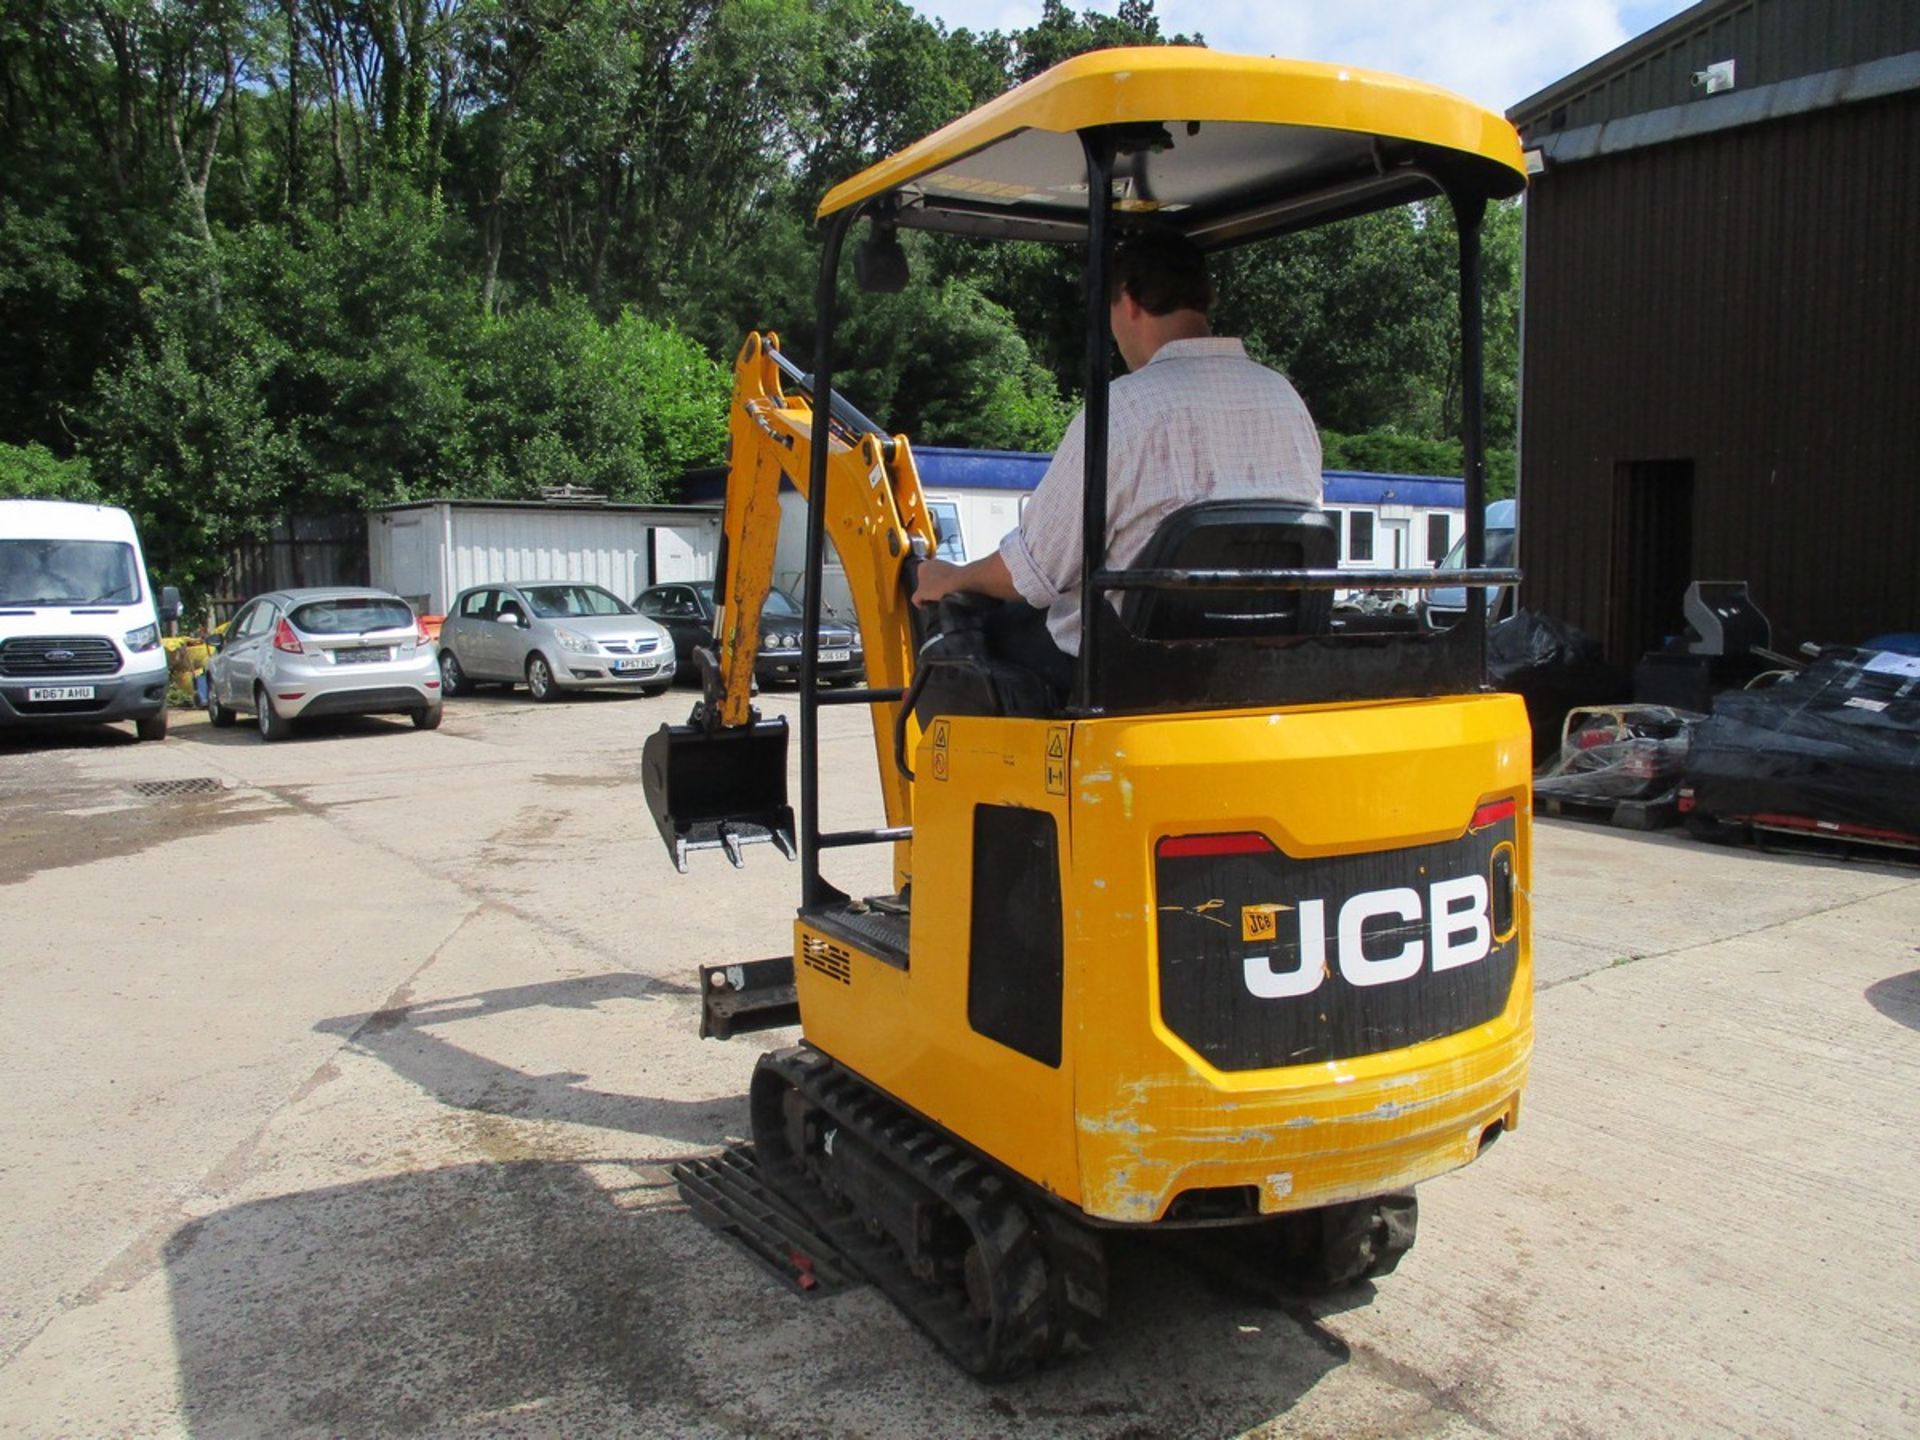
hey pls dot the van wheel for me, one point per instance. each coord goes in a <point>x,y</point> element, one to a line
<point>273,725</point>
<point>540,682</point>
<point>153,727</point>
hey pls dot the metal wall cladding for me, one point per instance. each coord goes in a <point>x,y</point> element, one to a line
<point>606,549</point>
<point>1769,41</point>
<point>1746,302</point>
<point>430,552</point>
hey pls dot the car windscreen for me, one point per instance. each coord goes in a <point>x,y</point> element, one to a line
<point>352,615</point>
<point>552,602</point>
<point>68,572</point>
<point>1499,551</point>
<point>779,605</point>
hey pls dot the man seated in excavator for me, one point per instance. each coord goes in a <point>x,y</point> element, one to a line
<point>1193,420</point>
<point>1234,940</point>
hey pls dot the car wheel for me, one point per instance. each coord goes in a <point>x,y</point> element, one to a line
<point>453,680</point>
<point>427,719</point>
<point>218,715</point>
<point>540,683</point>
<point>273,725</point>
<point>154,727</point>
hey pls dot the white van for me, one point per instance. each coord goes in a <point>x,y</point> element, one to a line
<point>79,632</point>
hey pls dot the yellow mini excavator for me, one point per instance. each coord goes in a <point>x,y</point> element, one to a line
<point>1233,939</point>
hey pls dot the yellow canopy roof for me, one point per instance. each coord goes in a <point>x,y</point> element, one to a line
<point>1223,148</point>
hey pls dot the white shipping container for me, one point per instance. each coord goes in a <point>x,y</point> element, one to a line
<point>430,551</point>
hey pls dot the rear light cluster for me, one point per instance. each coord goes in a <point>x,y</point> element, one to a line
<point>1493,812</point>
<point>1175,846</point>
<point>285,639</point>
<point>1250,842</point>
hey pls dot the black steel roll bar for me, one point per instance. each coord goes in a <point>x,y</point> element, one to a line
<point>1099,145</point>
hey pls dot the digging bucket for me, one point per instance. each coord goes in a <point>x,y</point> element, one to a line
<point>718,789</point>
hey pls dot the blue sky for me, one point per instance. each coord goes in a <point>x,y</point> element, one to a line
<point>1494,51</point>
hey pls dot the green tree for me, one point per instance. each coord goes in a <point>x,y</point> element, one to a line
<point>622,408</point>
<point>33,472</point>
<point>945,365</point>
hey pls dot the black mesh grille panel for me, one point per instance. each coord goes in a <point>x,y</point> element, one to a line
<point>1015,968</point>
<point>31,657</point>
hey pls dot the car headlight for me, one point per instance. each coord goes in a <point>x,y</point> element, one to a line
<point>786,641</point>
<point>573,640</point>
<point>145,638</point>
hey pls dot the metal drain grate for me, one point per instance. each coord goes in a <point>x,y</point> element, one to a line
<point>201,785</point>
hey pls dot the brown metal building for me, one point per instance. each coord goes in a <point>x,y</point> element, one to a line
<point>1721,324</point>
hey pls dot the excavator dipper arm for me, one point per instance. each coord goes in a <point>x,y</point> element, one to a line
<point>719,781</point>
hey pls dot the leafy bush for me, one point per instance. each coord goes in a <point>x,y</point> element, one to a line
<point>33,472</point>
<point>1388,453</point>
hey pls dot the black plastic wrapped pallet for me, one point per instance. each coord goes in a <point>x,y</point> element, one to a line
<point>1838,743</point>
<point>1553,666</point>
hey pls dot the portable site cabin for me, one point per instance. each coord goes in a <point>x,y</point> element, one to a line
<point>1386,522</point>
<point>1394,522</point>
<point>428,551</point>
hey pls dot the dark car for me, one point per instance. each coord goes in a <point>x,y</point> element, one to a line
<point>686,610</point>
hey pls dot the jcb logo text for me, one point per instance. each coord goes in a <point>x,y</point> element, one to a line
<point>1449,928</point>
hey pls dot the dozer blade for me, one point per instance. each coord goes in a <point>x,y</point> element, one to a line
<point>718,789</point>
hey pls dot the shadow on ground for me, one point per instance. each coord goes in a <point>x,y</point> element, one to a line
<point>538,1296</point>
<point>544,1297</point>
<point>414,1041</point>
<point>38,739</point>
<point>1898,998</point>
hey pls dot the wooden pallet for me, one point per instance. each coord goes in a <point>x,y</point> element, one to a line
<point>1656,814</point>
<point>1813,839</point>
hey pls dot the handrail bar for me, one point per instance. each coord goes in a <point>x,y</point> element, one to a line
<point>1300,579</point>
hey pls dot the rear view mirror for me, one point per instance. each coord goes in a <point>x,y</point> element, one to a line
<point>169,604</point>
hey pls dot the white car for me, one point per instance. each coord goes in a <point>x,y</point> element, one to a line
<point>552,636</point>
<point>335,651</point>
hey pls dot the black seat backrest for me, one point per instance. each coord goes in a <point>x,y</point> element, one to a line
<point>1235,535</point>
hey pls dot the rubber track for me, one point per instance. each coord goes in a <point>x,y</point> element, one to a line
<point>1031,1317</point>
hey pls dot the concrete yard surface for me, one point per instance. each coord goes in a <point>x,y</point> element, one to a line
<point>342,1087</point>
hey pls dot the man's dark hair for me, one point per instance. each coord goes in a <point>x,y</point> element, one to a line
<point>1162,272</point>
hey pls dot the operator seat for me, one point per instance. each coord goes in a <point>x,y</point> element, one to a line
<point>960,675</point>
<point>1234,535</point>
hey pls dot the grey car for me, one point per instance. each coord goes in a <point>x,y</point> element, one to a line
<point>334,651</point>
<point>552,636</point>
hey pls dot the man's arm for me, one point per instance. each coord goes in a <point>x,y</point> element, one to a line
<point>986,576</point>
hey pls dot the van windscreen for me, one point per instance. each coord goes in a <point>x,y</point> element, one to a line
<point>68,572</point>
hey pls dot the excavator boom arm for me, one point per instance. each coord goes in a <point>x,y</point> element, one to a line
<point>876,518</point>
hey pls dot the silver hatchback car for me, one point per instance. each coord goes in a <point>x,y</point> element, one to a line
<point>335,651</point>
<point>552,636</point>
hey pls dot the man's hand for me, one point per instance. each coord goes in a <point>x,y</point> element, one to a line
<point>938,579</point>
<point>986,576</point>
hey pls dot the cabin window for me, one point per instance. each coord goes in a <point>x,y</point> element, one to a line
<point>946,522</point>
<point>1360,535</point>
<point>1439,537</point>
